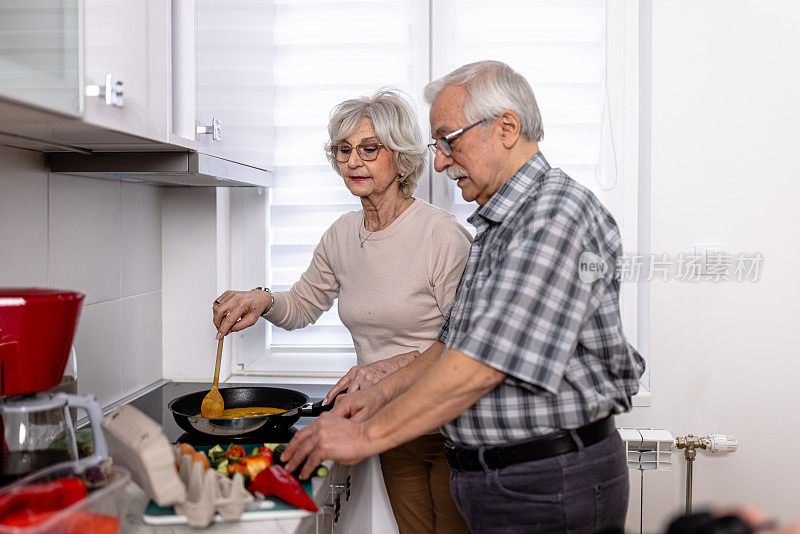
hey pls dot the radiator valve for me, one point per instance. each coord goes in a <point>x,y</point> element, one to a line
<point>713,443</point>
<point>720,443</point>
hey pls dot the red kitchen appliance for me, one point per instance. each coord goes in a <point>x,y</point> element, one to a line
<point>36,330</point>
<point>36,428</point>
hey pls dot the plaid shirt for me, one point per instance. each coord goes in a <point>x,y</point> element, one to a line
<point>524,307</point>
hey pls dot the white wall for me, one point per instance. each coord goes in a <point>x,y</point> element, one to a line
<point>725,138</point>
<point>193,238</point>
<point>99,237</point>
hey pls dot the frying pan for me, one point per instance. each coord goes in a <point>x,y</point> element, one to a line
<point>185,410</point>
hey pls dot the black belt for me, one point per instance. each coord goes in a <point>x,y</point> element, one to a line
<point>537,449</point>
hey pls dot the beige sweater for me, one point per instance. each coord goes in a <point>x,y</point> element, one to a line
<point>393,292</point>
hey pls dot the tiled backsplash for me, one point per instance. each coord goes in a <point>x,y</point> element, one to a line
<point>100,237</point>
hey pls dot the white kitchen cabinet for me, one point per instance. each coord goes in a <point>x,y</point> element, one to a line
<point>127,50</point>
<point>222,67</point>
<point>53,53</point>
<point>133,84</point>
<point>40,54</point>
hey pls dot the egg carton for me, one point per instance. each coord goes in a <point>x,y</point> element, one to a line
<point>209,492</point>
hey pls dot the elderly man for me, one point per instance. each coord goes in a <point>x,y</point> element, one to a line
<point>533,362</point>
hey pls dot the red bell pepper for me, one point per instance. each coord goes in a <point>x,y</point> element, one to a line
<point>26,518</point>
<point>74,523</point>
<point>276,480</point>
<point>43,497</point>
<point>266,452</point>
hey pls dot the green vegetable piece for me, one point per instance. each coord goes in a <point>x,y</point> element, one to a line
<point>276,454</point>
<point>222,467</point>
<point>321,471</point>
<point>216,454</point>
<point>85,441</point>
<point>254,452</point>
<point>271,446</point>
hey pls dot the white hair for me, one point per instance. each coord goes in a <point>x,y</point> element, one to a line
<point>493,86</point>
<point>395,123</point>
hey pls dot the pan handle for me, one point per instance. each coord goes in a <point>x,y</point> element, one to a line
<point>315,409</point>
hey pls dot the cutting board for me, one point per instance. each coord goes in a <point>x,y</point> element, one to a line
<point>268,509</point>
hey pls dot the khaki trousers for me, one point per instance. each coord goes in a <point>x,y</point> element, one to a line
<point>417,480</point>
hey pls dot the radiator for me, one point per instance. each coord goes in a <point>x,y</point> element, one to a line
<point>652,497</point>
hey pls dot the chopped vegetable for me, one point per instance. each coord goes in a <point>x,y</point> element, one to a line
<point>276,454</point>
<point>85,441</point>
<point>235,451</point>
<point>265,452</point>
<point>276,480</point>
<point>239,468</point>
<point>321,471</point>
<point>97,476</point>
<point>271,446</point>
<point>222,467</point>
<point>256,464</point>
<point>37,498</point>
<point>216,454</point>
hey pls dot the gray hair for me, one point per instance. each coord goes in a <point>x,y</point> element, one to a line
<point>396,126</point>
<point>493,86</point>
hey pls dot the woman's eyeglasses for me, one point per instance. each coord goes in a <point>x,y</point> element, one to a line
<point>366,151</point>
<point>443,143</point>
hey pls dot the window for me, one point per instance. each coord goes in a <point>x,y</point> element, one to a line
<point>572,51</point>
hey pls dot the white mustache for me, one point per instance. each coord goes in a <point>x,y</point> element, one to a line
<point>454,172</point>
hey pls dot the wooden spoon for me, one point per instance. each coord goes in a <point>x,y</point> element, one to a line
<point>213,405</point>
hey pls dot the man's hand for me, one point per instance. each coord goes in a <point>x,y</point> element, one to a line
<point>328,438</point>
<point>361,405</point>
<point>236,310</point>
<point>361,376</point>
<point>358,377</point>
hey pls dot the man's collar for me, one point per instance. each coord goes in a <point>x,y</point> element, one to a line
<point>503,201</point>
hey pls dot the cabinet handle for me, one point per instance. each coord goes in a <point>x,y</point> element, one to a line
<point>215,130</point>
<point>344,489</point>
<point>111,91</point>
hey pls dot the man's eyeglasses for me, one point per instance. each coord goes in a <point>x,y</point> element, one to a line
<point>366,151</point>
<point>443,143</point>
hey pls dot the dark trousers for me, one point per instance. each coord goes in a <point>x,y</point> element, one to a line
<point>582,491</point>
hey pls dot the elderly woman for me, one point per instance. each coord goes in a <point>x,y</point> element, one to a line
<point>394,266</point>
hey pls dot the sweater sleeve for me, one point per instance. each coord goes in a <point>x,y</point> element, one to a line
<point>313,294</point>
<point>448,250</point>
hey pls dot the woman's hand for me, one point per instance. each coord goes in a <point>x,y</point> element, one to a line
<point>236,310</point>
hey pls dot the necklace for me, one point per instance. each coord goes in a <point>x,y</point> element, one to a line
<point>384,225</point>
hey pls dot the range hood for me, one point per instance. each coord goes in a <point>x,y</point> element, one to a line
<point>193,169</point>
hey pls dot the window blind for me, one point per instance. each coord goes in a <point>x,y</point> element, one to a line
<point>559,47</point>
<point>326,52</point>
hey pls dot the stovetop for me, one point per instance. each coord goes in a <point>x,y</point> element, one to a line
<point>154,404</point>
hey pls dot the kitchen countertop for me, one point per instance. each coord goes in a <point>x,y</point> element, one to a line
<point>154,404</point>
